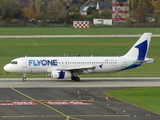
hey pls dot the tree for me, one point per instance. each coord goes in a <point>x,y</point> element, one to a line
<point>10,9</point>
<point>143,9</point>
<point>144,2</point>
<point>29,11</point>
<point>73,13</point>
<point>95,14</point>
<point>90,9</point>
<point>156,5</point>
<point>133,4</point>
<point>41,8</point>
<point>106,14</point>
<point>143,12</point>
<point>55,10</point>
<point>157,16</point>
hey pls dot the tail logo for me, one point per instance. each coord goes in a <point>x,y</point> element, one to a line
<point>142,50</point>
<point>61,75</point>
<point>101,66</point>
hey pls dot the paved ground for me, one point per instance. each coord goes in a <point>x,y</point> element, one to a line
<point>24,101</point>
<point>67,104</point>
<point>85,82</point>
<point>56,36</point>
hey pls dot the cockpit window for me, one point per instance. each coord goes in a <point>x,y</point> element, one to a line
<point>14,62</point>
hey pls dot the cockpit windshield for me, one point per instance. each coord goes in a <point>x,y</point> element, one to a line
<point>14,62</point>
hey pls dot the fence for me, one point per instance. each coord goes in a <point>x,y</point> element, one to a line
<point>136,25</point>
<point>34,24</point>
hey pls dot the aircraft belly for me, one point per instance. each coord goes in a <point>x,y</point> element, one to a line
<point>107,69</point>
<point>36,70</point>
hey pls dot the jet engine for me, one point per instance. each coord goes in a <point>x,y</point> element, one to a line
<point>59,74</point>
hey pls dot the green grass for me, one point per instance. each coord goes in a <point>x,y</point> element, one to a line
<point>11,48</point>
<point>74,31</point>
<point>147,98</point>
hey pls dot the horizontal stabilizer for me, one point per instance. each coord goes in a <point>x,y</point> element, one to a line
<point>146,61</point>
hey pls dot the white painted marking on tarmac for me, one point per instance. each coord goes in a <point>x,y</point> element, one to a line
<point>20,103</point>
<point>68,103</point>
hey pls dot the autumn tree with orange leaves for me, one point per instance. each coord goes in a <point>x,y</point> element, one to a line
<point>143,10</point>
<point>29,11</point>
<point>156,4</point>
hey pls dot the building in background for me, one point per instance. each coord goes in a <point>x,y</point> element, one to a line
<point>85,6</point>
<point>102,21</point>
<point>81,24</point>
<point>120,11</point>
<point>103,5</point>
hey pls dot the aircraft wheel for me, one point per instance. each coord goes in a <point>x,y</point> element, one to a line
<point>24,79</point>
<point>77,79</point>
<point>73,78</point>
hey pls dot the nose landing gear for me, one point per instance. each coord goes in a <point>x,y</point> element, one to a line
<point>24,77</point>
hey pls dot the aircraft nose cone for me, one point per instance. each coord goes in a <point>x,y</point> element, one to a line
<point>6,68</point>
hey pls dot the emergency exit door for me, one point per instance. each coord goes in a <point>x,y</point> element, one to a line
<point>24,63</point>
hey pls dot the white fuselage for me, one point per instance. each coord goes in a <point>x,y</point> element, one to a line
<point>41,65</point>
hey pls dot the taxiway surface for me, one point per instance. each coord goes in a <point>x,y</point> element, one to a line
<point>85,82</point>
<point>47,99</point>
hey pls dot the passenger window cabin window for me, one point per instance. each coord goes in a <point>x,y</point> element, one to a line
<point>14,62</point>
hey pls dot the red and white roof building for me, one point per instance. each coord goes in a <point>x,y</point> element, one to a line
<point>120,10</point>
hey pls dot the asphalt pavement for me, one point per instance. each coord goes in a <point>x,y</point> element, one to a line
<point>63,103</point>
<point>63,36</point>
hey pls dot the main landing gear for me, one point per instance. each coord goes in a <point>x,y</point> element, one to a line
<point>24,77</point>
<point>76,78</point>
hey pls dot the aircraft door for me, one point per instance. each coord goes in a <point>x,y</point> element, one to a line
<point>123,62</point>
<point>24,63</point>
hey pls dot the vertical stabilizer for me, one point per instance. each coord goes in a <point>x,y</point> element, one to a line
<point>140,48</point>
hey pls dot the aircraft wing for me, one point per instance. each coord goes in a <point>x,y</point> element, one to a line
<point>80,69</point>
<point>77,69</point>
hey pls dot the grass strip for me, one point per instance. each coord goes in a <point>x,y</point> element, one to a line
<point>74,31</point>
<point>147,98</point>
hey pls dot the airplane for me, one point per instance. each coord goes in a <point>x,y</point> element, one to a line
<point>71,67</point>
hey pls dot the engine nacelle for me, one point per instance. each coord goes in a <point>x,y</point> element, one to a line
<point>60,74</point>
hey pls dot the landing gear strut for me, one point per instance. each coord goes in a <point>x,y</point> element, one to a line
<point>24,77</point>
<point>76,78</point>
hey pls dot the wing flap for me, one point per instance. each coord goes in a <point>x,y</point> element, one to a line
<point>80,68</point>
<point>77,69</point>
